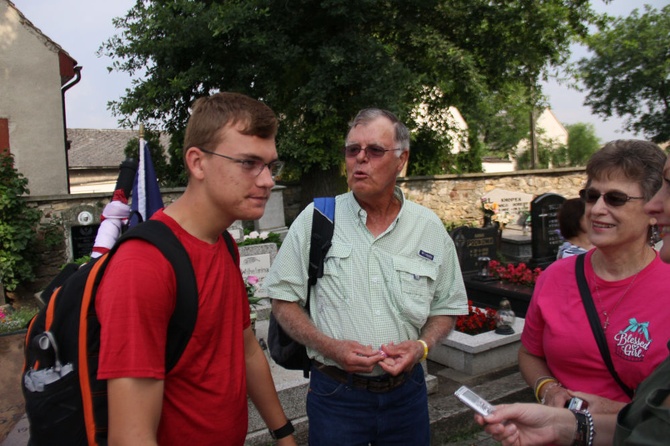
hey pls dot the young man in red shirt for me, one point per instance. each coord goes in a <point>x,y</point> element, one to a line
<point>231,161</point>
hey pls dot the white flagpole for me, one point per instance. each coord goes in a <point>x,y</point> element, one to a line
<point>141,180</point>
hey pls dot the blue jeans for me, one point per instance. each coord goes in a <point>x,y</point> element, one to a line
<point>342,415</point>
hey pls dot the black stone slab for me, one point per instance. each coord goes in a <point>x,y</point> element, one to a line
<point>489,294</point>
<point>83,238</point>
<point>473,243</point>
<point>545,239</point>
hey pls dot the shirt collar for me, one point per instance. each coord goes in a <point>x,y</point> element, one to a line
<point>361,215</point>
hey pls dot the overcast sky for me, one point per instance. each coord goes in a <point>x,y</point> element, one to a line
<point>80,27</point>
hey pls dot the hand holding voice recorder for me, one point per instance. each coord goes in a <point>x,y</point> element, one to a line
<point>474,401</point>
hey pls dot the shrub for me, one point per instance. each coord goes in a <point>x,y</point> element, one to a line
<point>18,223</point>
<point>15,320</point>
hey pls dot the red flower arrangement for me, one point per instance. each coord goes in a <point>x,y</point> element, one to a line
<point>477,320</point>
<point>519,274</point>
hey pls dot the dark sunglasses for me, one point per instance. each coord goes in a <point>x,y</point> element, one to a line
<point>371,151</point>
<point>612,198</point>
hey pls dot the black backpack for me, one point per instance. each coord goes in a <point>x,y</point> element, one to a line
<point>284,350</point>
<point>65,402</point>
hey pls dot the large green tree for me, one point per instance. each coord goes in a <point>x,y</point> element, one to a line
<point>316,62</point>
<point>629,73</point>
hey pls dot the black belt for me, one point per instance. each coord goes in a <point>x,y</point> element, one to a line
<point>375,384</point>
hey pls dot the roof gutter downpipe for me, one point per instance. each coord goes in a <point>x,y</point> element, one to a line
<point>64,88</point>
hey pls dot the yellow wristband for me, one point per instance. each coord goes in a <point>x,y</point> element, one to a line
<point>540,385</point>
<point>425,349</point>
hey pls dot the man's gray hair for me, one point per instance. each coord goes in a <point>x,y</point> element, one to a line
<point>368,115</point>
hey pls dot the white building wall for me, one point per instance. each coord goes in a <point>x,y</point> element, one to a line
<point>498,166</point>
<point>30,98</point>
<point>549,130</point>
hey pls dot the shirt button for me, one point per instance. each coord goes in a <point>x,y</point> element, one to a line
<point>375,279</point>
<point>377,312</point>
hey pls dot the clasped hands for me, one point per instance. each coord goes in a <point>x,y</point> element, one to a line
<point>394,359</point>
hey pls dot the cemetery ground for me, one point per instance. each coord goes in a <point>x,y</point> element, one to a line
<point>451,422</point>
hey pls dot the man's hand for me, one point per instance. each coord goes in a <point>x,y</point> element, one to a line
<point>354,357</point>
<point>401,357</point>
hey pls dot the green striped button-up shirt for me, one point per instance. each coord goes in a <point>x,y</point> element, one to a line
<point>374,290</point>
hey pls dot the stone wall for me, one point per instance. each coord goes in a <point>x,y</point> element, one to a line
<point>59,214</point>
<point>455,199</point>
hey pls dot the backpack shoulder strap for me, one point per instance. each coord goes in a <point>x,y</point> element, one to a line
<point>323,225</point>
<point>182,321</point>
<point>230,243</point>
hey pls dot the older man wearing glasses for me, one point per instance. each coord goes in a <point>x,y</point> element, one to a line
<point>231,161</point>
<point>390,292</point>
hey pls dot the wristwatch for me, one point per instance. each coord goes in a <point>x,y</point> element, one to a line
<point>283,431</point>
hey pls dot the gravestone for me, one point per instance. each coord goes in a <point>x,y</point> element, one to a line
<point>545,239</point>
<point>273,219</point>
<point>83,239</point>
<point>510,202</point>
<point>473,243</point>
<point>255,260</point>
<point>236,231</point>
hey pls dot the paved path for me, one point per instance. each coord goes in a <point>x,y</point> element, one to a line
<point>11,398</point>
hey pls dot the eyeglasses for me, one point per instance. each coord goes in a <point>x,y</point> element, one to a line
<point>612,198</point>
<point>252,166</point>
<point>371,151</point>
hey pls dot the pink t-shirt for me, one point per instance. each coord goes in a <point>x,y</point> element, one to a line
<point>205,394</point>
<point>558,329</point>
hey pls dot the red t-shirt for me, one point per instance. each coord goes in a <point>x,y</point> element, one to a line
<point>205,394</point>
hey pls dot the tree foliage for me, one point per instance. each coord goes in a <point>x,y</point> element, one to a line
<point>316,63</point>
<point>582,143</point>
<point>629,73</point>
<point>547,155</point>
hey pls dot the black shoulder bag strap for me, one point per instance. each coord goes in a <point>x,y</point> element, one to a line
<point>594,320</point>
<point>323,224</point>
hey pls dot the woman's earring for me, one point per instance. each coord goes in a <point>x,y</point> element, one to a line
<point>655,236</point>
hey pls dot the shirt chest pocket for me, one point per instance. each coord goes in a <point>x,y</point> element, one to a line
<point>334,289</point>
<point>416,276</point>
<point>335,262</point>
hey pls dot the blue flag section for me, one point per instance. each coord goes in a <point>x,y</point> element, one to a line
<point>146,197</point>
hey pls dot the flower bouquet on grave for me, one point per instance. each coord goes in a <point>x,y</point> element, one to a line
<point>255,238</point>
<point>518,274</point>
<point>489,208</point>
<point>252,284</point>
<point>477,321</point>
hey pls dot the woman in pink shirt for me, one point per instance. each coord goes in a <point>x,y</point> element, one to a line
<point>627,281</point>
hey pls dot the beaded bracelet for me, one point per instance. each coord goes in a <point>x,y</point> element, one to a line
<point>586,431</point>
<point>549,386</point>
